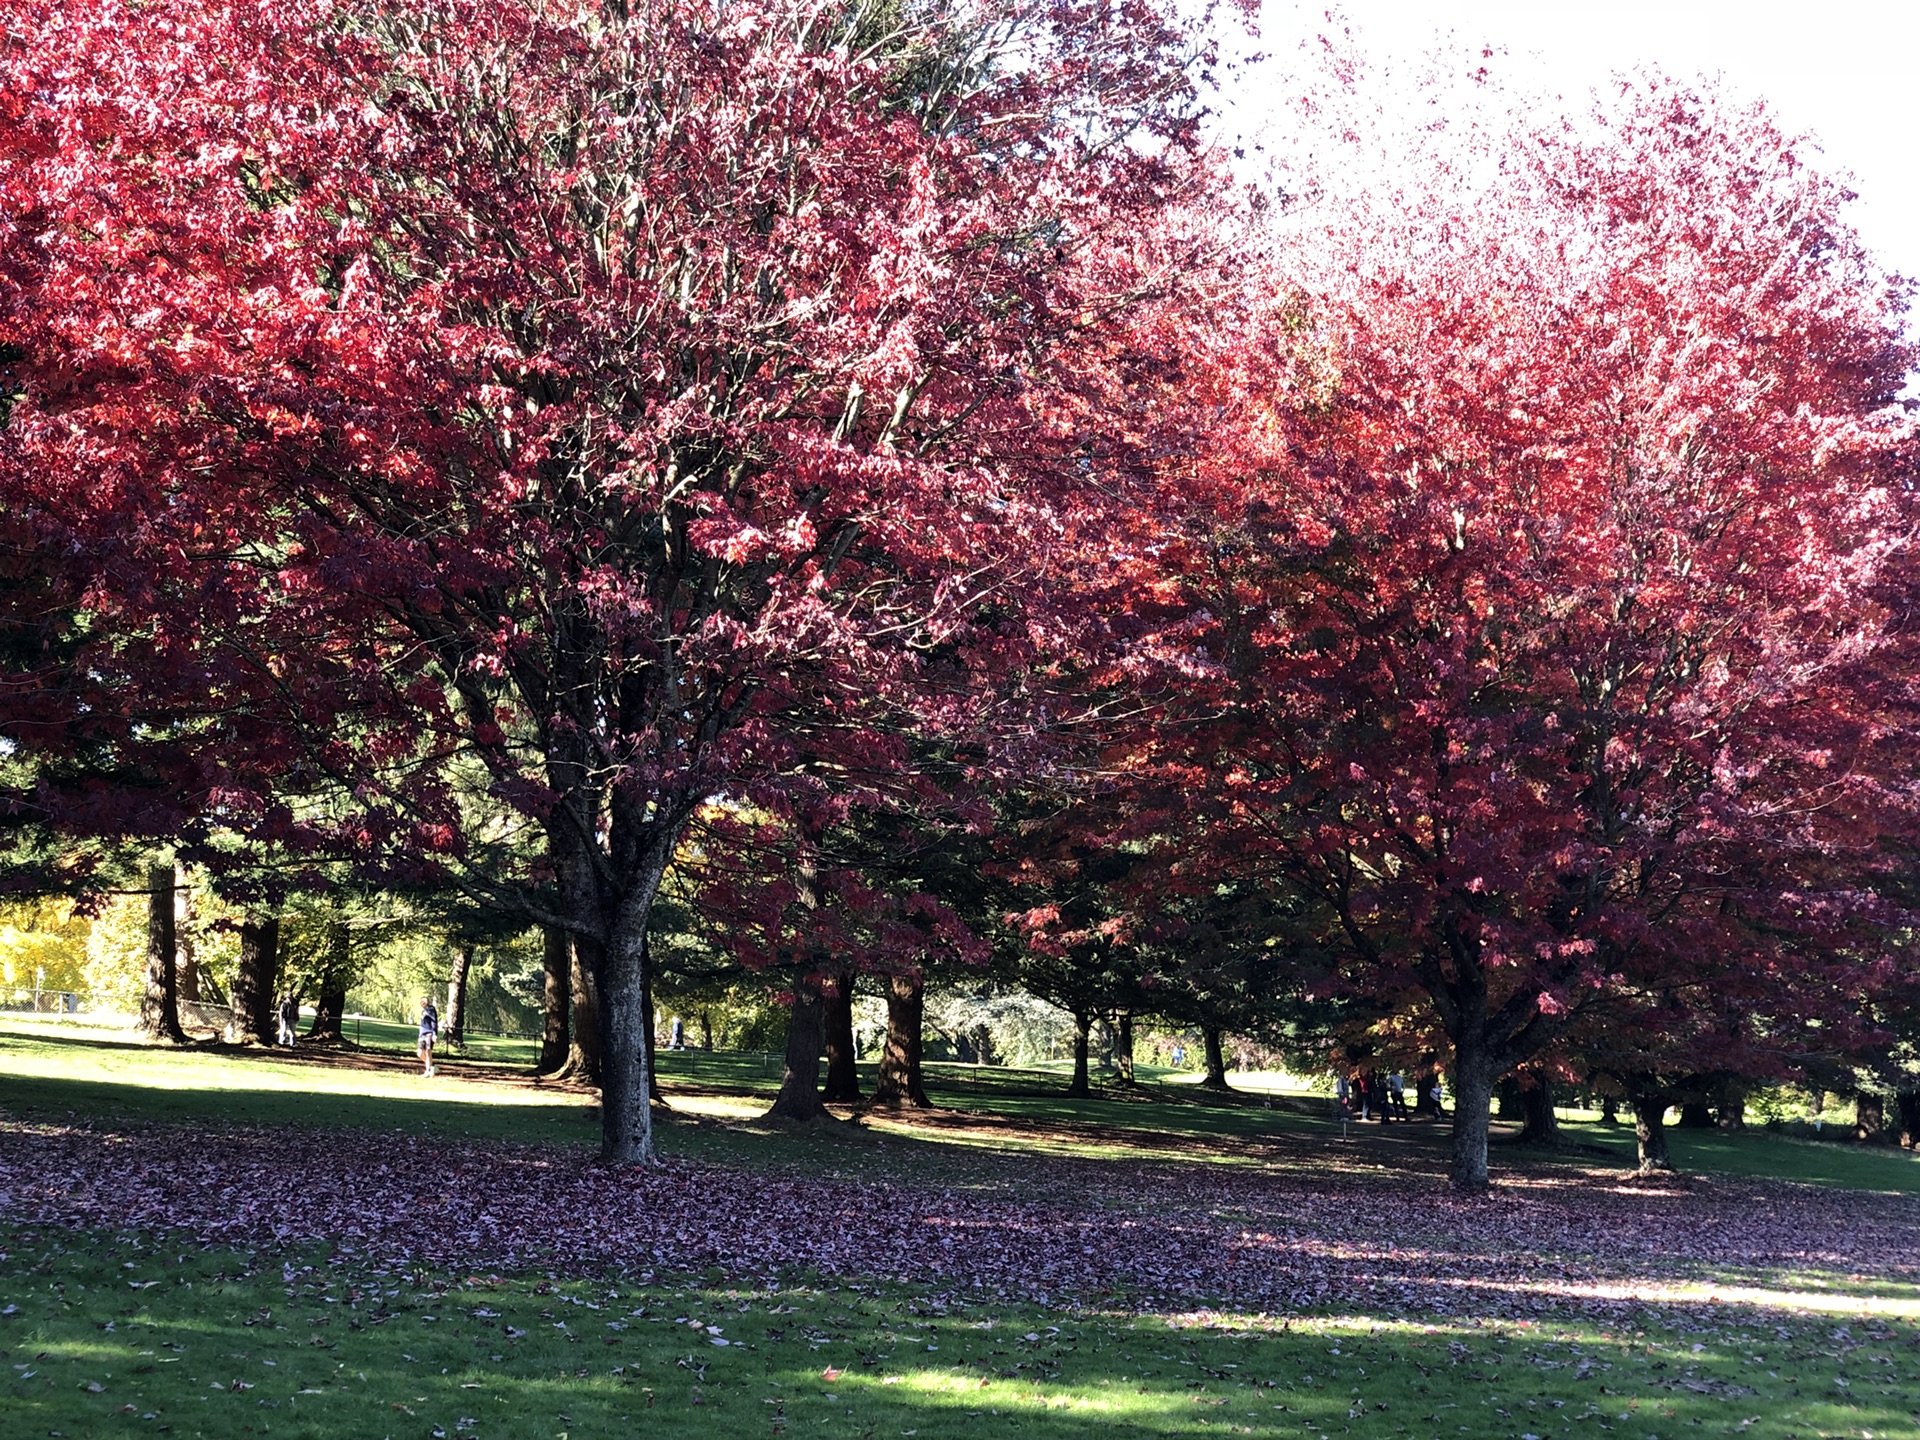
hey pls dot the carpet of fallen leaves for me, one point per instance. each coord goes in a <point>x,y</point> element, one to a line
<point>1149,1234</point>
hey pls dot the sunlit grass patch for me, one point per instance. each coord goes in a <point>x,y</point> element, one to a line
<point>107,1335</point>
<point>1764,1153</point>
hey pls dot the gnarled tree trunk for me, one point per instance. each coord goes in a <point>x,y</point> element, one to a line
<point>900,1081</point>
<point>160,1004</point>
<point>1733,1106</point>
<point>1870,1118</point>
<point>1123,1047</point>
<point>843,1073</point>
<point>1650,1129</point>
<point>556,998</point>
<point>799,1097</point>
<point>1907,1107</point>
<point>1216,1076</point>
<point>255,982</point>
<point>457,995</point>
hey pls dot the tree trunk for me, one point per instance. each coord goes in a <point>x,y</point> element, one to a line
<point>1539,1124</point>
<point>1610,1110</point>
<point>1696,1115</point>
<point>980,1042</point>
<point>584,1035</point>
<point>706,1031</point>
<point>900,1081</point>
<point>255,982</point>
<point>1424,1104</point>
<point>557,999</point>
<point>1216,1076</point>
<point>1733,1106</point>
<point>160,1005</point>
<point>1473,1081</point>
<point>799,1097</point>
<point>843,1074</point>
<point>1506,1098</point>
<point>330,1004</point>
<point>623,985</point>
<point>183,945</point>
<point>649,1025</point>
<point>1870,1118</point>
<point>1650,1130</point>
<point>1079,1087</point>
<point>457,995</point>
<point>1123,1047</point>
<point>607,866</point>
<point>1907,1107</point>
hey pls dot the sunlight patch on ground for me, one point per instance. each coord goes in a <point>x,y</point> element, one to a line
<point>160,1068</point>
<point>1013,1138</point>
<point>717,1107</point>
<point>1658,1292</point>
<point>1258,1082</point>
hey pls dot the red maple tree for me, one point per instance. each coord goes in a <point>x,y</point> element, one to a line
<point>560,416</point>
<point>1546,625</point>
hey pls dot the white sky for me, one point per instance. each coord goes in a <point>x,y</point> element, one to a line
<point>1844,71</point>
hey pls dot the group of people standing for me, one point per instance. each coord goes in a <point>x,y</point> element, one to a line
<point>1376,1095</point>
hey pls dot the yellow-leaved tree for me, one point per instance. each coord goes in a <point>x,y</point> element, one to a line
<point>43,944</point>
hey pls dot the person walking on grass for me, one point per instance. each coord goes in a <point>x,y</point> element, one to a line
<point>429,1033</point>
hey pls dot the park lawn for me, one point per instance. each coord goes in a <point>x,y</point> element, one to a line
<point>62,1069</point>
<point>109,1335</point>
<point>1760,1152</point>
<point>988,1116</point>
<point>105,1074</point>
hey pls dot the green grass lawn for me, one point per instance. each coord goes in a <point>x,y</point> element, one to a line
<point>106,1335</point>
<point>56,1068</point>
<point>1762,1153</point>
